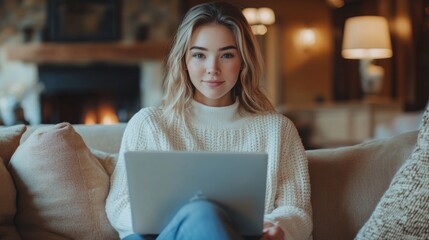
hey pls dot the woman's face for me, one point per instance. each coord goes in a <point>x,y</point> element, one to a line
<point>213,62</point>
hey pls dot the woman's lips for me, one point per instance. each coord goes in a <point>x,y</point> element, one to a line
<point>213,83</point>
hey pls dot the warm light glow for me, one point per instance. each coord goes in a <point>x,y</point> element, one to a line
<point>107,115</point>
<point>336,3</point>
<point>403,27</point>
<point>367,53</point>
<point>258,18</point>
<point>259,29</point>
<point>366,37</point>
<point>251,15</point>
<point>104,114</point>
<point>266,16</point>
<point>90,118</point>
<point>307,38</point>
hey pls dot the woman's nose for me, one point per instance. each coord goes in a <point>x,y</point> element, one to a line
<point>212,71</point>
<point>212,67</point>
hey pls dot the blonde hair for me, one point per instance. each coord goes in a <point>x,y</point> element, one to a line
<point>179,90</point>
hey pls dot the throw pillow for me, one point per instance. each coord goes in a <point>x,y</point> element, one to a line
<point>107,160</point>
<point>61,187</point>
<point>403,211</point>
<point>8,204</point>
<point>9,141</point>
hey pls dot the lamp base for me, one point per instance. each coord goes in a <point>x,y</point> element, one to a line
<point>371,77</point>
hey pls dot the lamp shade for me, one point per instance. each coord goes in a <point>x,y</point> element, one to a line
<point>366,37</point>
<point>266,16</point>
<point>263,15</point>
<point>252,15</point>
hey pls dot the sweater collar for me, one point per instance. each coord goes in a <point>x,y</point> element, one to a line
<point>214,117</point>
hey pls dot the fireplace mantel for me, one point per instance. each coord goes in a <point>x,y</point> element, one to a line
<point>81,53</point>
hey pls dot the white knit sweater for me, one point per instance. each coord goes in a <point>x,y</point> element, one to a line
<point>224,129</point>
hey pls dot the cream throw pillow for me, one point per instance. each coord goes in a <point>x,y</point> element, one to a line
<point>61,187</point>
<point>9,141</point>
<point>403,211</point>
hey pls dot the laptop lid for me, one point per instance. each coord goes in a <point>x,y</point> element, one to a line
<point>160,183</point>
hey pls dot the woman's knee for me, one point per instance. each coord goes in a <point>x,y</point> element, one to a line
<point>203,209</point>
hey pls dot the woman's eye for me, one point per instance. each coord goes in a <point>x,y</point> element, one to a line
<point>228,55</point>
<point>197,55</point>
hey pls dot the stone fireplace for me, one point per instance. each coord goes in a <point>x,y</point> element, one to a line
<point>80,77</point>
<point>96,64</point>
<point>86,92</point>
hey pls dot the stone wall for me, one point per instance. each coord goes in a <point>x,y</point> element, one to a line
<point>25,20</point>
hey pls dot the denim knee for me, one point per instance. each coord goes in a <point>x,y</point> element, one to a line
<point>202,209</point>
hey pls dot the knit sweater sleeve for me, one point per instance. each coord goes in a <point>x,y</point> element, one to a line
<point>291,209</point>
<point>117,204</point>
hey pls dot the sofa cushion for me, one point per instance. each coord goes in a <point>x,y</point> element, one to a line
<point>9,141</point>
<point>347,182</point>
<point>61,187</point>
<point>8,204</point>
<point>403,211</point>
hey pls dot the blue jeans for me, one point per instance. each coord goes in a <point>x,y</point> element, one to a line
<point>196,220</point>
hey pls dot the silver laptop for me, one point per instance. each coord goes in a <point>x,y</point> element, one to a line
<point>160,183</point>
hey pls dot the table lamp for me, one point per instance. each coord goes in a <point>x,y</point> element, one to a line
<point>367,38</point>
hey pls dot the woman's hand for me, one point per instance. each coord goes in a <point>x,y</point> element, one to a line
<point>272,232</point>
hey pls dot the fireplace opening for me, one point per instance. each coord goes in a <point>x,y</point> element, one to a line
<point>103,112</point>
<point>89,94</point>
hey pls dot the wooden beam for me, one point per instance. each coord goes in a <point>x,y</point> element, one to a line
<point>78,53</point>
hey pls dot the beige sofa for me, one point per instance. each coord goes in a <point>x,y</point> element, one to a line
<point>346,183</point>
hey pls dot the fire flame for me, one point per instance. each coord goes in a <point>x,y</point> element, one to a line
<point>104,114</point>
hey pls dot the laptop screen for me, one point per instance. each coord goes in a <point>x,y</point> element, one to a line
<point>160,183</point>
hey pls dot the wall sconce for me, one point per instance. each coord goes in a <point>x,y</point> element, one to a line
<point>336,3</point>
<point>367,38</point>
<point>307,38</point>
<point>258,18</point>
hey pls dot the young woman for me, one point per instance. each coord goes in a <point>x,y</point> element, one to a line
<point>213,103</point>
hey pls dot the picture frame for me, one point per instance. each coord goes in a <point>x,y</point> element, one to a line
<point>83,20</point>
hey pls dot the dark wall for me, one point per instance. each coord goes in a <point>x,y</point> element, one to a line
<point>420,85</point>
